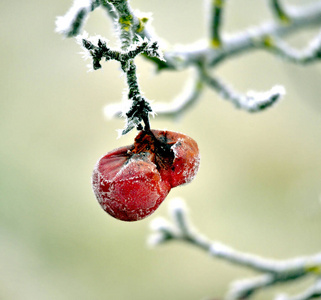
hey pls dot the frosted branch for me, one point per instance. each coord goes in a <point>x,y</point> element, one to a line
<point>308,55</point>
<point>136,37</point>
<point>100,51</point>
<point>140,107</point>
<point>72,22</point>
<point>313,292</point>
<point>274,271</point>
<point>109,8</point>
<point>251,102</point>
<point>125,21</point>
<point>241,42</point>
<point>184,102</point>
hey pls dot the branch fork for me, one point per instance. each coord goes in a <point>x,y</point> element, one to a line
<point>101,50</point>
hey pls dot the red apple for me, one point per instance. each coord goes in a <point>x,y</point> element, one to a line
<point>131,182</point>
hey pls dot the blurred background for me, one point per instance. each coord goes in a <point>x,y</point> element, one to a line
<point>258,188</point>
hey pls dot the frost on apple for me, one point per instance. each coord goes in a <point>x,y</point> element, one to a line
<point>132,181</point>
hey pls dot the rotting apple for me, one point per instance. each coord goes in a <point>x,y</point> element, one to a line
<point>132,181</point>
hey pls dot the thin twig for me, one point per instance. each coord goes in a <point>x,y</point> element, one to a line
<point>109,9</point>
<point>216,22</point>
<point>242,289</point>
<point>308,55</point>
<point>280,11</point>
<point>184,102</point>
<point>72,22</point>
<point>251,102</point>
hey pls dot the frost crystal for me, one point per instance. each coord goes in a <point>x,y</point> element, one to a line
<point>72,20</point>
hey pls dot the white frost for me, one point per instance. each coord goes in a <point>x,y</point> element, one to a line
<point>159,224</point>
<point>177,205</point>
<point>64,23</point>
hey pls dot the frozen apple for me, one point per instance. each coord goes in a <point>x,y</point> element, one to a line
<point>131,182</point>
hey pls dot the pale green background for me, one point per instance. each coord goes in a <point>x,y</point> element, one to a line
<point>258,188</point>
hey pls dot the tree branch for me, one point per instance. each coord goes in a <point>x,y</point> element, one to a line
<point>312,292</point>
<point>274,271</point>
<point>251,102</point>
<point>265,36</point>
